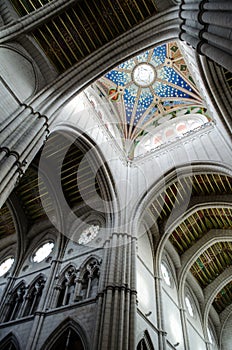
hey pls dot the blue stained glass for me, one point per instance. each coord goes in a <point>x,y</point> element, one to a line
<point>128,64</point>
<point>119,78</point>
<point>159,55</point>
<point>138,97</point>
<point>143,57</point>
<point>168,91</point>
<point>170,75</point>
<point>129,101</point>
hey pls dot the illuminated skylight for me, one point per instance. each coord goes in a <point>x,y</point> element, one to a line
<point>44,251</point>
<point>147,90</point>
<point>144,75</point>
<point>6,265</point>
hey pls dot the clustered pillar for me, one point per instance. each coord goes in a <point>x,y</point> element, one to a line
<point>116,316</point>
<point>20,133</point>
<point>207,26</point>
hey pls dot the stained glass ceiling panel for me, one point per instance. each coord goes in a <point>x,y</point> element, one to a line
<point>146,88</point>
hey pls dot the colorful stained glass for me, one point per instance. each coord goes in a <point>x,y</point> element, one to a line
<point>151,85</point>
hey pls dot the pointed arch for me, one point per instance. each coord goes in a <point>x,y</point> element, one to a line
<point>33,295</point>
<point>93,260</point>
<point>15,302</point>
<point>89,277</point>
<point>145,343</point>
<point>70,266</point>
<point>66,286</point>
<point>10,342</point>
<point>69,335</point>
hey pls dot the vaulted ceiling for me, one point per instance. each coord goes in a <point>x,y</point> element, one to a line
<point>146,92</point>
<point>84,27</point>
<point>212,194</point>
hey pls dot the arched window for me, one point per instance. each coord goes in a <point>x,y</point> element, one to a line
<point>68,335</point>
<point>10,342</point>
<point>142,345</point>
<point>67,287</point>
<point>69,340</point>
<point>15,302</point>
<point>76,285</point>
<point>145,343</point>
<point>89,281</point>
<point>33,296</point>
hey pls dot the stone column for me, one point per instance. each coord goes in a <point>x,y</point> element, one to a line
<point>207,26</point>
<point>160,318</point>
<point>184,328</point>
<point>116,314</point>
<point>22,135</point>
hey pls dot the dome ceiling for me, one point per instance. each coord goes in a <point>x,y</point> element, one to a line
<point>150,90</point>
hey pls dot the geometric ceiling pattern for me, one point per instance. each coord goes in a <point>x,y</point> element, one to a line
<point>151,89</point>
<point>84,27</point>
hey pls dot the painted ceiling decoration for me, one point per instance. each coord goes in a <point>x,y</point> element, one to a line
<point>84,27</point>
<point>150,90</point>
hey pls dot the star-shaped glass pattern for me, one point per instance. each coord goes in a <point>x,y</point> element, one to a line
<point>148,88</point>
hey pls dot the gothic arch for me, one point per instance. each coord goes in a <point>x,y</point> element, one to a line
<point>145,342</point>
<point>66,286</point>
<point>10,342</point>
<point>34,294</point>
<point>68,325</point>
<point>13,307</point>
<point>168,178</point>
<point>89,277</point>
<point>90,258</point>
<point>213,289</point>
<point>89,153</point>
<point>198,248</point>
